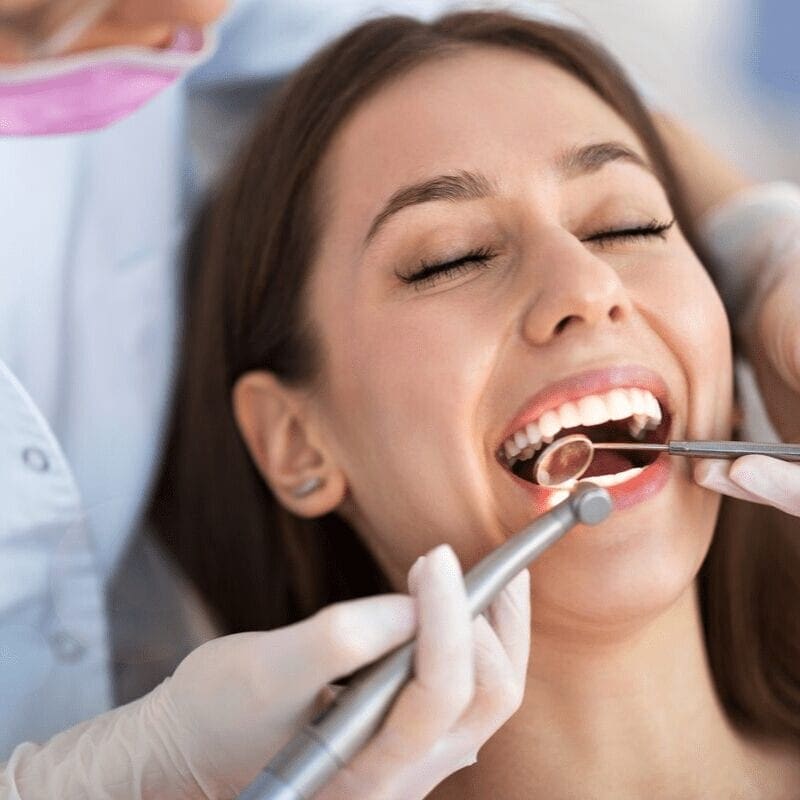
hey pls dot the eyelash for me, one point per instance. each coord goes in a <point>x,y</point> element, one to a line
<point>481,256</point>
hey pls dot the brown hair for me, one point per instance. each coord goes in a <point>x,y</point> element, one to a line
<point>259,566</point>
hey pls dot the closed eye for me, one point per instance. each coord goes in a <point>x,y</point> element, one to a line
<point>429,274</point>
<point>653,228</point>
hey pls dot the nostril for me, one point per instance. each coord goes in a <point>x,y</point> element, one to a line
<point>564,322</point>
<point>615,314</point>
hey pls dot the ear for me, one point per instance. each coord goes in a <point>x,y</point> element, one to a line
<point>285,446</point>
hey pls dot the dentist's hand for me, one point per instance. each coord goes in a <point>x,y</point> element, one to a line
<point>208,730</point>
<point>774,352</point>
<point>758,479</point>
<point>775,357</point>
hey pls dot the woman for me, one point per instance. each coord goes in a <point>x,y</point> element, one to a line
<point>443,234</point>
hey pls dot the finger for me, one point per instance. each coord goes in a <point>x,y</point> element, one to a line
<point>502,648</point>
<point>389,760</point>
<point>510,617</point>
<point>444,681</point>
<point>769,480</point>
<point>343,637</point>
<point>713,474</point>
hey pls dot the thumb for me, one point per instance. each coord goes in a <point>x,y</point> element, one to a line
<point>770,480</point>
<point>713,474</point>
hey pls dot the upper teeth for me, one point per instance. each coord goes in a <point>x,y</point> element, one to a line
<point>593,409</point>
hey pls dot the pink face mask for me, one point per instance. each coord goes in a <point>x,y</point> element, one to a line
<point>86,92</point>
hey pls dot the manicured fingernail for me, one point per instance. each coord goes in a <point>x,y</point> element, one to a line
<point>413,574</point>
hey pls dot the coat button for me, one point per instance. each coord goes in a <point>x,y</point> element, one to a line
<point>35,459</point>
<point>65,647</point>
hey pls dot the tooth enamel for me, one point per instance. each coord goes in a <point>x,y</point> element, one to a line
<point>549,424</point>
<point>569,415</point>
<point>637,423</point>
<point>592,410</point>
<point>636,430</point>
<point>653,411</point>
<point>533,433</point>
<point>603,480</point>
<point>510,449</point>
<point>526,453</point>
<point>638,401</point>
<point>619,406</point>
<point>614,480</point>
<point>639,404</point>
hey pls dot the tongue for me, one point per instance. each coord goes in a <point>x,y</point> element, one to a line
<point>608,462</point>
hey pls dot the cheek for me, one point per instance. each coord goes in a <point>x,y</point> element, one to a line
<point>682,305</point>
<point>415,371</point>
<point>404,388</point>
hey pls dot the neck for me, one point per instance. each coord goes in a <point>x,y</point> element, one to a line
<point>627,717</point>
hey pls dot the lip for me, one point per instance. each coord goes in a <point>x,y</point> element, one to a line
<point>647,483</point>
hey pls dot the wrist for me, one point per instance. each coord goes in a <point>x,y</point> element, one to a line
<point>125,753</point>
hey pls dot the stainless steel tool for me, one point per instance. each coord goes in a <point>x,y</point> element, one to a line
<point>568,458</point>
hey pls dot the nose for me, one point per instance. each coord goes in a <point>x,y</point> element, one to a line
<point>576,290</point>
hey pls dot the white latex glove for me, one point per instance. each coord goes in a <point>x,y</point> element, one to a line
<point>755,238</point>
<point>759,479</point>
<point>208,730</point>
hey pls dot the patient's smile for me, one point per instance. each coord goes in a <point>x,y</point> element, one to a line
<point>617,404</point>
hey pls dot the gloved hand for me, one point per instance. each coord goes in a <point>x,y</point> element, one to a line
<point>208,730</point>
<point>758,479</point>
<point>775,357</point>
<point>755,237</point>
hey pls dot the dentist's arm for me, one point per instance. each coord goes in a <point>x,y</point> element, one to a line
<point>209,729</point>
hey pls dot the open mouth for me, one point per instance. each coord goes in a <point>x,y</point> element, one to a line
<point>623,414</point>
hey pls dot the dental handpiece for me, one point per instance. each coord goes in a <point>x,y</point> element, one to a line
<point>327,743</point>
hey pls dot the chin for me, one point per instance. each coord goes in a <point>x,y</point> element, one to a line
<point>632,568</point>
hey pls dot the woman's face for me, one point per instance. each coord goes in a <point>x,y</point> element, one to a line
<point>514,170</point>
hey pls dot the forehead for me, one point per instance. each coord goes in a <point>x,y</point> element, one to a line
<point>502,112</point>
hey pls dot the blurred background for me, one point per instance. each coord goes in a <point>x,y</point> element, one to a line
<point>729,68</point>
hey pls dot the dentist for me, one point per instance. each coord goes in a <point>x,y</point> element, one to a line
<point>100,168</point>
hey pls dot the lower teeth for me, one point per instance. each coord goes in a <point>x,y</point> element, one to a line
<point>603,480</point>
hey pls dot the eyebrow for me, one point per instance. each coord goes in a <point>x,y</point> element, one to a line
<point>466,185</point>
<point>577,161</point>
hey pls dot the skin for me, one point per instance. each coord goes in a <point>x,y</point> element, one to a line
<point>418,387</point>
<point>145,23</point>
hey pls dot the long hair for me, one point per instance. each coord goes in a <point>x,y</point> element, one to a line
<point>257,565</point>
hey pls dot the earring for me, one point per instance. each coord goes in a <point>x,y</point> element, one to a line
<point>307,487</point>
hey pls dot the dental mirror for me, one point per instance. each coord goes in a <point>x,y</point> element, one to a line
<point>569,457</point>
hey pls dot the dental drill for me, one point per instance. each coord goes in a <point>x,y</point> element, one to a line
<point>328,742</point>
